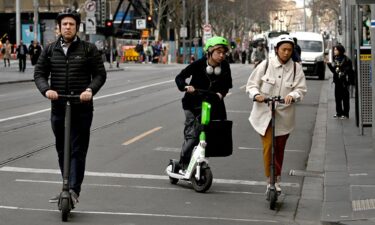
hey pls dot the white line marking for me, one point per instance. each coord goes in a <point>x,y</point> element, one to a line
<point>136,176</point>
<point>95,98</point>
<point>166,149</point>
<point>287,150</point>
<point>140,214</point>
<point>137,187</point>
<point>24,115</point>
<point>238,111</point>
<point>243,86</point>
<point>136,138</point>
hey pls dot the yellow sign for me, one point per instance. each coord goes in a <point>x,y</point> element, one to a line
<point>131,55</point>
<point>366,57</point>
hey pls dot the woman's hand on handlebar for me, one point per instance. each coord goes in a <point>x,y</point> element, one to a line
<point>259,98</point>
<point>288,100</point>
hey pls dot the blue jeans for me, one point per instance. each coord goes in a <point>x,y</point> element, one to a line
<point>80,137</point>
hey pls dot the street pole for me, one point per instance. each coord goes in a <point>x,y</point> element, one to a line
<point>184,25</point>
<point>304,14</point>
<point>372,31</point>
<point>18,22</point>
<point>110,38</point>
<point>207,12</point>
<point>36,19</point>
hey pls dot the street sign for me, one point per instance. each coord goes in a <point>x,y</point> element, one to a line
<point>140,24</point>
<point>207,32</point>
<point>90,25</point>
<point>183,32</point>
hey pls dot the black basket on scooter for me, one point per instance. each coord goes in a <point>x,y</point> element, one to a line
<point>219,138</point>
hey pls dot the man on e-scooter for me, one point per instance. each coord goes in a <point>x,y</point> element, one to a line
<point>71,66</point>
<point>278,76</point>
<point>212,73</point>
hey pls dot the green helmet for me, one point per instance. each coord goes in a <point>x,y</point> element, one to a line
<point>216,41</point>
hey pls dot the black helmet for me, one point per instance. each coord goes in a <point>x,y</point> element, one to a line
<point>69,13</point>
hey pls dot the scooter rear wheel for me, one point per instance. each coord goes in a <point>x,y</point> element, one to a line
<point>273,199</point>
<point>205,181</point>
<point>65,209</point>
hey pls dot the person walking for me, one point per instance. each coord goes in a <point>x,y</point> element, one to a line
<point>278,76</point>
<point>35,52</point>
<point>74,67</point>
<point>212,73</point>
<point>6,51</point>
<point>21,55</point>
<point>343,77</point>
<point>296,56</point>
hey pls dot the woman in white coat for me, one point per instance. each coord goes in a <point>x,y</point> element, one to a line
<point>278,76</point>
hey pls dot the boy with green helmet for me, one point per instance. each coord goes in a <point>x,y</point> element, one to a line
<point>211,72</point>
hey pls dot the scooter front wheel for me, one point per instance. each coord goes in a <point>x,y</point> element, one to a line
<point>65,209</point>
<point>205,180</point>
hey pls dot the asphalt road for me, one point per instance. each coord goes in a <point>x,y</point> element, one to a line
<point>137,128</point>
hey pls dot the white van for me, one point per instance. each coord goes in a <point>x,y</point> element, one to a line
<point>312,55</point>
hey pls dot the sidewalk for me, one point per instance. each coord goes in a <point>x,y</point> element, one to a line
<point>345,192</point>
<point>12,75</point>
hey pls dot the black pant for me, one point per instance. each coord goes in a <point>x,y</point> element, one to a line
<point>342,99</point>
<point>191,138</point>
<point>80,137</point>
<point>22,62</point>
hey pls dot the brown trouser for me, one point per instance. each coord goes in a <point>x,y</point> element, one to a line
<point>279,151</point>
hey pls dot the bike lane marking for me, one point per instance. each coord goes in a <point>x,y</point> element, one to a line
<point>138,176</point>
<point>190,217</point>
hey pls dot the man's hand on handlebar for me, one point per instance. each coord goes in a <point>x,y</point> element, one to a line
<point>52,95</point>
<point>85,96</point>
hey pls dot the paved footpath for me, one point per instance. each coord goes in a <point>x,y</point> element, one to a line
<point>341,186</point>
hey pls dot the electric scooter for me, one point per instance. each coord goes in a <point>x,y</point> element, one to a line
<point>65,203</point>
<point>272,194</point>
<point>198,171</point>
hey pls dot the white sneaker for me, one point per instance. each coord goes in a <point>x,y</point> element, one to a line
<point>278,187</point>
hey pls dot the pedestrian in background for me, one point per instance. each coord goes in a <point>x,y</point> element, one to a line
<point>343,77</point>
<point>35,51</point>
<point>6,51</point>
<point>278,76</point>
<point>71,66</point>
<point>21,55</point>
<point>259,54</point>
<point>297,51</point>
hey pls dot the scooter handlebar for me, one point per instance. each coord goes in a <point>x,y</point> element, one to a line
<point>274,99</point>
<point>69,97</point>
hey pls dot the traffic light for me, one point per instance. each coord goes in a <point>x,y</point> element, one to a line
<point>108,28</point>
<point>233,44</point>
<point>149,21</point>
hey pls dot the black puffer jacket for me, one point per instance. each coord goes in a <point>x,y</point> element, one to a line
<point>81,68</point>
<point>201,80</point>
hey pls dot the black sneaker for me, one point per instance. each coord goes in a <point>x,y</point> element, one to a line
<point>336,116</point>
<point>54,199</point>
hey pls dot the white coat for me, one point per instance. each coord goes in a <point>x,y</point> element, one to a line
<point>278,80</point>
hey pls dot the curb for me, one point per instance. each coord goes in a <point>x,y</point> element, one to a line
<point>310,205</point>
